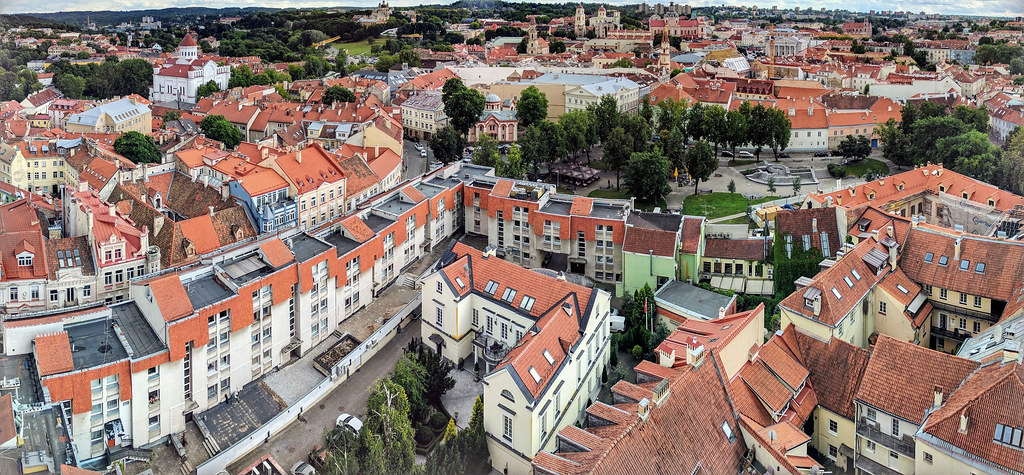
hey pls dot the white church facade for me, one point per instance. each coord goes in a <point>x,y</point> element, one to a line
<point>179,79</point>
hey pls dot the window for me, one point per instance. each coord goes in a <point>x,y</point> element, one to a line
<point>506,424</point>
<point>53,295</point>
<point>509,295</point>
<point>439,317</point>
<point>895,431</point>
<point>871,446</point>
<point>833,452</point>
<point>833,427</point>
<point>963,323</point>
<point>548,357</point>
<point>25,261</point>
<point>942,294</point>
<point>979,268</point>
<point>963,298</point>
<point>504,331</point>
<point>927,458</point>
<point>476,317</point>
<point>872,415</point>
<point>965,264</point>
<point>728,432</point>
<point>440,287</point>
<point>527,303</point>
<point>881,308</point>
<point>534,374</point>
<point>943,260</point>
<point>976,327</point>
<point>977,301</point>
<point>492,287</point>
<point>490,325</point>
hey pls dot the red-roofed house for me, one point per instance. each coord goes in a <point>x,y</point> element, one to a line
<point>23,264</point>
<point>316,181</point>
<point>540,342</point>
<point>179,78</point>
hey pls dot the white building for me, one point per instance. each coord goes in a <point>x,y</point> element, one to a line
<point>180,79</point>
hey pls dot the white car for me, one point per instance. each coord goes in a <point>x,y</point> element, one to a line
<point>745,154</point>
<point>303,468</point>
<point>350,422</point>
<point>423,153</point>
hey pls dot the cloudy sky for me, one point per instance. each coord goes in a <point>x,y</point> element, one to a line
<point>968,7</point>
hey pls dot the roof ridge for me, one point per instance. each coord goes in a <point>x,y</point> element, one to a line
<point>982,391</point>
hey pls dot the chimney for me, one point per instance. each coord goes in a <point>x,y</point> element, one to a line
<point>721,312</point>
<point>817,307</point>
<point>874,234</point>
<point>695,356</point>
<point>892,255</point>
<point>963,422</point>
<point>298,156</point>
<point>211,210</point>
<point>956,248</point>
<point>643,409</point>
<point>489,252</point>
<point>888,231</point>
<point>937,401</point>
<point>814,224</point>
<point>810,110</point>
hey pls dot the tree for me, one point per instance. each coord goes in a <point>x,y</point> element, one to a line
<point>617,150</point>
<point>771,184</point>
<point>700,163</point>
<point>338,94</point>
<point>532,107</point>
<point>735,131</point>
<point>1011,163</point>
<point>476,437</point>
<point>387,415</point>
<point>486,152</point>
<point>674,148</point>
<point>781,131</point>
<point>171,115</point>
<point>218,128</point>
<point>462,105</point>
<point>522,47</point>
<point>855,147</point>
<point>639,129</point>
<point>895,146</point>
<point>970,153</point>
<point>315,66</point>
<point>976,118</point>
<point>796,186</point>
<point>759,132</point>
<point>137,147</point>
<point>240,77</point>
<point>447,144</point>
<point>410,376</point>
<point>296,72</point>
<point>1017,66</point>
<point>543,142</point>
<point>208,89</point>
<point>342,452</point>
<point>70,85</point>
<point>371,452</point>
<point>715,125</point>
<point>671,115</point>
<point>606,114</point>
<point>695,121</point>
<point>927,132</point>
<point>732,186</point>
<point>575,124</point>
<point>308,37</point>
<point>647,175</point>
<point>512,166</point>
<point>556,47</point>
<point>438,372</point>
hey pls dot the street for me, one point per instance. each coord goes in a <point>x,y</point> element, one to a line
<point>413,164</point>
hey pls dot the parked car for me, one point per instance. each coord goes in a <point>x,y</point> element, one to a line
<point>836,153</point>
<point>423,153</point>
<point>783,155</point>
<point>303,468</point>
<point>746,154</point>
<point>726,153</point>
<point>820,154</point>
<point>350,422</point>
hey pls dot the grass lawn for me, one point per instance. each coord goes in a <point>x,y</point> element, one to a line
<point>716,205</point>
<point>356,47</point>
<point>624,195</point>
<point>866,166</point>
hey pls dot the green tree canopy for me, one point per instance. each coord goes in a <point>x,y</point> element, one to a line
<point>338,94</point>
<point>700,162</point>
<point>387,414</point>
<point>462,105</point>
<point>895,143</point>
<point>137,147</point>
<point>855,147</point>
<point>647,175</point>
<point>617,150</point>
<point>207,90</point>
<point>486,152</point>
<point>532,107</point>
<point>606,114</point>
<point>218,128</point>
<point>447,144</point>
<point>512,166</point>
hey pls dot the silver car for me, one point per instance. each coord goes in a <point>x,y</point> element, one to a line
<point>303,468</point>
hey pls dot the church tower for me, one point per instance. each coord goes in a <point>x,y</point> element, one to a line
<point>664,59</point>
<point>188,49</point>
<point>580,22</point>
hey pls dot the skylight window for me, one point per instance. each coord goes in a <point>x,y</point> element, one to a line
<point>509,295</point>
<point>458,280</point>
<point>902,288</point>
<point>965,264</point>
<point>535,374</point>
<point>979,268</point>
<point>547,356</point>
<point>527,303</point>
<point>856,275</point>
<point>848,281</point>
<point>836,293</point>
<point>492,287</point>
<point>728,432</point>
<point>943,260</point>
<point>928,257</point>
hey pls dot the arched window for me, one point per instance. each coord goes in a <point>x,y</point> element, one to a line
<point>505,393</point>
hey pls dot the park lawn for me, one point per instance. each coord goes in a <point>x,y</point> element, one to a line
<point>866,166</point>
<point>624,195</point>
<point>356,47</point>
<point>717,205</point>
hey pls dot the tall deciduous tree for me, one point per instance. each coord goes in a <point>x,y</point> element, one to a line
<point>218,128</point>
<point>207,90</point>
<point>338,94</point>
<point>486,153</point>
<point>137,147</point>
<point>674,149</point>
<point>736,133</point>
<point>606,113</point>
<point>759,128</point>
<point>542,143</point>
<point>512,166</point>
<point>700,163</point>
<point>638,129</point>
<point>781,129</point>
<point>387,416</point>
<point>715,126</point>
<point>462,105</point>
<point>969,153</point>
<point>856,147</point>
<point>647,176</point>
<point>447,144</point>
<point>617,150</point>
<point>532,107</point>
<point>575,124</point>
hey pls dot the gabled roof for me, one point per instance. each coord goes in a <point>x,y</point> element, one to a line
<point>276,252</point>
<point>835,368</point>
<point>53,352</point>
<point>170,297</point>
<point>816,223</point>
<point>1002,262</point>
<point>642,241</point>
<point>888,369</point>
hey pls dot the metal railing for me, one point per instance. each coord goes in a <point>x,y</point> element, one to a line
<point>872,431</point>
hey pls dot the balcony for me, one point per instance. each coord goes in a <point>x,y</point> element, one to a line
<point>871,430</point>
<point>990,317</point>
<point>954,334</point>
<point>493,350</point>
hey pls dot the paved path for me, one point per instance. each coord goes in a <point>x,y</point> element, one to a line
<point>726,218</point>
<point>294,443</point>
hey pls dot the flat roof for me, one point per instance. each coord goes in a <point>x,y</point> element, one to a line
<point>377,223</point>
<point>306,247</point>
<point>341,243</point>
<point>136,330</point>
<point>604,210</point>
<point>693,299</point>
<point>205,291</point>
<point>556,207</point>
<point>429,190</point>
<point>247,268</point>
<point>394,205</point>
<point>94,343</point>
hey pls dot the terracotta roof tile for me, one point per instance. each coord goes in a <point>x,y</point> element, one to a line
<point>276,252</point>
<point>812,222</point>
<point>692,233</point>
<point>888,369</point>
<point>53,353</point>
<point>835,367</point>
<point>8,430</point>
<point>413,194</point>
<point>750,249</point>
<point>1002,261</point>
<point>359,230</point>
<point>581,206</point>
<point>170,297</point>
<point>502,188</point>
<point>784,436</point>
<point>769,389</point>
<point>642,240</point>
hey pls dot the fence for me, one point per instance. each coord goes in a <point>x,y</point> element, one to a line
<point>339,374</point>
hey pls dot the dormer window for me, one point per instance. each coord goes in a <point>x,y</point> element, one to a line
<point>25,260</point>
<point>992,202</point>
<point>942,188</point>
<point>964,195</point>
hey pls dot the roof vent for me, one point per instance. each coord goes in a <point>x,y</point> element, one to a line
<point>489,251</point>
<point>643,409</point>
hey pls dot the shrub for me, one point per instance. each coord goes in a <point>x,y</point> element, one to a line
<point>604,374</point>
<point>614,359</point>
<point>732,186</point>
<point>424,435</point>
<point>638,351</point>
<point>837,171</point>
<point>438,420</point>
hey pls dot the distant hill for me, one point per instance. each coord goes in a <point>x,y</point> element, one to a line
<point>29,21</point>
<point>170,15</point>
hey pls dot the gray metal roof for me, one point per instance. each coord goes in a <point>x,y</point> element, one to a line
<point>140,336</point>
<point>94,344</point>
<point>693,299</point>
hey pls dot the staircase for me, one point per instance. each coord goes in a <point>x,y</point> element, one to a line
<point>407,280</point>
<point>118,454</point>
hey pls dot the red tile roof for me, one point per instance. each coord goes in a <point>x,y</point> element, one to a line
<point>581,206</point>
<point>692,234</point>
<point>642,241</point>
<point>170,297</point>
<point>21,230</point>
<point>1003,262</point>
<point>750,249</point>
<point>888,369</point>
<point>8,430</point>
<point>359,230</point>
<point>835,368</point>
<point>502,188</point>
<point>276,252</point>
<point>53,353</point>
<point>200,232</point>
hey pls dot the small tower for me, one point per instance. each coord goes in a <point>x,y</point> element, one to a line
<point>188,49</point>
<point>581,21</point>
<point>664,60</point>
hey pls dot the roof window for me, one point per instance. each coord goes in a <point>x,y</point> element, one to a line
<point>836,293</point>
<point>979,268</point>
<point>943,260</point>
<point>856,275</point>
<point>458,280</point>
<point>527,303</point>
<point>547,356</point>
<point>965,264</point>
<point>535,374</point>
<point>903,289</point>
<point>492,287</point>
<point>928,257</point>
<point>848,281</point>
<point>509,295</point>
